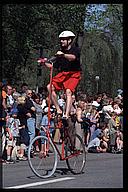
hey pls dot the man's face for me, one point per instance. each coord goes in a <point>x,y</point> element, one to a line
<point>9,90</point>
<point>24,88</point>
<point>29,93</point>
<point>65,42</point>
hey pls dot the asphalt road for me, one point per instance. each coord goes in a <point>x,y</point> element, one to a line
<point>104,170</point>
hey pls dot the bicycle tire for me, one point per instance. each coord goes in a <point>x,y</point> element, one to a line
<point>77,160</point>
<point>41,166</point>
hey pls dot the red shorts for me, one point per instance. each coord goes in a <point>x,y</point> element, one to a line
<point>66,80</point>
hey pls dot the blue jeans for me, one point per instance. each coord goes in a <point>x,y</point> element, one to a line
<point>24,136</point>
<point>42,133</point>
<point>31,128</point>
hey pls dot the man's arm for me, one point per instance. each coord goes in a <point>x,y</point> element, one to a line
<point>70,57</point>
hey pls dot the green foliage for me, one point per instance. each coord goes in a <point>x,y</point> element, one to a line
<point>27,27</point>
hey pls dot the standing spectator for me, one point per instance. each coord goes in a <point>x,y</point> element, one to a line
<point>4,99</point>
<point>15,94</point>
<point>10,99</point>
<point>44,123</point>
<point>3,102</point>
<point>24,88</point>
<point>12,125</point>
<point>31,114</point>
<point>61,101</point>
<point>24,136</point>
<point>80,114</point>
<point>94,118</point>
<point>97,102</point>
<point>45,102</point>
<point>39,112</point>
<point>58,128</point>
<point>112,131</point>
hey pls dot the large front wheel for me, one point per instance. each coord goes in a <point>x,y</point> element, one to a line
<point>44,162</point>
<point>76,158</point>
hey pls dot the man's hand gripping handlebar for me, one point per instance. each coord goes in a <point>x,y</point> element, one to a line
<point>46,62</point>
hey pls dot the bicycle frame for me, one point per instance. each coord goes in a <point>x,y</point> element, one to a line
<point>60,153</point>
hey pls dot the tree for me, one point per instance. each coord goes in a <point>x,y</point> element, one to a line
<point>26,28</point>
<point>102,51</point>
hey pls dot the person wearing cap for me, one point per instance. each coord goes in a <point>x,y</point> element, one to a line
<point>12,127</point>
<point>69,71</point>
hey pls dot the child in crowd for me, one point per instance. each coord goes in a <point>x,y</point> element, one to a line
<point>13,125</point>
<point>44,124</point>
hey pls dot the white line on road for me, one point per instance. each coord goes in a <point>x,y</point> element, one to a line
<point>39,183</point>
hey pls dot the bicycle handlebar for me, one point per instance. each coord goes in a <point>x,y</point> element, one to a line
<point>45,60</point>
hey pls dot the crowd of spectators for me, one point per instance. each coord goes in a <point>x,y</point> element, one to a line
<point>98,119</point>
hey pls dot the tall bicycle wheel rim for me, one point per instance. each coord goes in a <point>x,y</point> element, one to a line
<point>42,163</point>
<point>77,159</point>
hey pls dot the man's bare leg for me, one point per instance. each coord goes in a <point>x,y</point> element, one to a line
<point>54,98</point>
<point>68,102</point>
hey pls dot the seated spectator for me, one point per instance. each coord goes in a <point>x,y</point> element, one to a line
<point>119,141</point>
<point>105,136</point>
<point>116,108</point>
<point>96,133</point>
<point>94,145</point>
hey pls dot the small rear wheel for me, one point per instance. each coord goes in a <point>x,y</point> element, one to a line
<point>77,156</point>
<point>44,162</point>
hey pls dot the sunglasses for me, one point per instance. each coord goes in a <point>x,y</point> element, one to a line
<point>9,89</point>
<point>63,39</point>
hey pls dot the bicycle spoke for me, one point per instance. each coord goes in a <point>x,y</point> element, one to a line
<point>43,163</point>
<point>76,158</point>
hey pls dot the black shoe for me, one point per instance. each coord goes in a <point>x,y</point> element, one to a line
<point>118,151</point>
<point>23,158</point>
<point>10,161</point>
<point>31,155</point>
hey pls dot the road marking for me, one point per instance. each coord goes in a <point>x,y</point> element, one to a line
<point>39,183</point>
